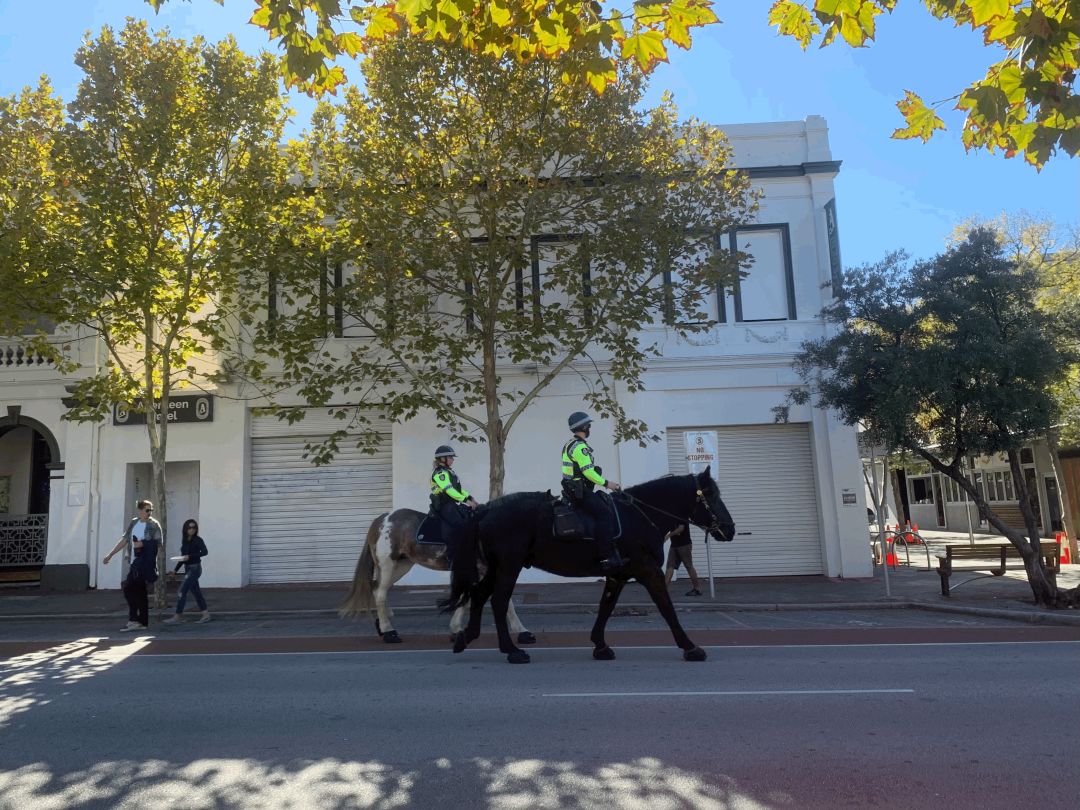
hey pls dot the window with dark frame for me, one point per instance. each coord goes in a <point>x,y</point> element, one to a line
<point>769,295</point>
<point>536,291</point>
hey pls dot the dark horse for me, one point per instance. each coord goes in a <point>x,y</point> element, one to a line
<point>515,532</point>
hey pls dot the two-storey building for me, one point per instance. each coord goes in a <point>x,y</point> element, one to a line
<point>795,490</point>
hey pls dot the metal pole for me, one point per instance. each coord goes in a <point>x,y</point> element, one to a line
<point>881,526</point>
<point>967,505</point>
<point>708,564</point>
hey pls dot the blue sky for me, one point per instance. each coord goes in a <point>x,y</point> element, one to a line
<point>890,194</point>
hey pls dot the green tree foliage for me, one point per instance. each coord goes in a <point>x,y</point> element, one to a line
<point>315,32</point>
<point>495,228</point>
<point>1025,104</point>
<point>35,203</point>
<point>172,148</point>
<point>952,354</point>
<point>1052,252</point>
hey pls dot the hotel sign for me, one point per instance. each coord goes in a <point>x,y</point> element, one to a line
<point>184,408</point>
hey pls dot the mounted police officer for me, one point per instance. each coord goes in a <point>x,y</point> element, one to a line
<point>580,477</point>
<point>449,500</point>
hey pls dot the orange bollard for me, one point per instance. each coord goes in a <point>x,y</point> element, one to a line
<point>1064,556</point>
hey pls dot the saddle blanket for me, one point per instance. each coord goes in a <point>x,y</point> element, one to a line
<point>429,532</point>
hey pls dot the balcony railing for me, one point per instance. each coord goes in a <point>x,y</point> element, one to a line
<point>23,539</point>
<point>17,355</point>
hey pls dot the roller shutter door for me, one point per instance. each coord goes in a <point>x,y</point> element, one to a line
<point>766,478</point>
<point>308,523</point>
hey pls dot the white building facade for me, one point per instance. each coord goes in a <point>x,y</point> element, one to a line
<point>794,490</point>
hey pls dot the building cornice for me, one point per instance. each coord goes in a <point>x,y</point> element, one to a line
<point>795,170</point>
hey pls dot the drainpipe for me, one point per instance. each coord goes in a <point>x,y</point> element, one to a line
<point>93,520</point>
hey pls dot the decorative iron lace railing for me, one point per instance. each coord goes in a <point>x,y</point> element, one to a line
<point>22,539</point>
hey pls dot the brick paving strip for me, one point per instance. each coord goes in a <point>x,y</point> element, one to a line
<point>624,638</point>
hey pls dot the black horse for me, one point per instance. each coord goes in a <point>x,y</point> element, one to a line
<point>516,531</point>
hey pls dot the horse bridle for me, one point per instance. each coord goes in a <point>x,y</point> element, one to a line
<point>714,526</point>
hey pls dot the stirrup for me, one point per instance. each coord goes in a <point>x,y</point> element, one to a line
<point>612,563</point>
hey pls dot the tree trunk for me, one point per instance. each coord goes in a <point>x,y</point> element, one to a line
<point>496,439</point>
<point>1044,590</point>
<point>161,508</point>
<point>496,458</point>
<point>1052,439</point>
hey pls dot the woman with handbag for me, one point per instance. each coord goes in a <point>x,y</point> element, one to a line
<point>144,535</point>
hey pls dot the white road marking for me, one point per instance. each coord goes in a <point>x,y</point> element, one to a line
<point>735,694</point>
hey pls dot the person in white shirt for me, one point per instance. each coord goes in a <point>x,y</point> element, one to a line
<point>144,535</point>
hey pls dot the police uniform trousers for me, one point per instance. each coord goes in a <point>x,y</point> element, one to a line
<point>456,523</point>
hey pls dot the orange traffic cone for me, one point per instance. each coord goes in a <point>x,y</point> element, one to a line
<point>915,536</point>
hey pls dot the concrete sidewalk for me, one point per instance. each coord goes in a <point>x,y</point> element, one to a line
<point>1005,597</point>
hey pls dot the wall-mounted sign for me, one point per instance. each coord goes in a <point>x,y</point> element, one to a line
<point>701,450</point>
<point>182,408</point>
<point>847,497</point>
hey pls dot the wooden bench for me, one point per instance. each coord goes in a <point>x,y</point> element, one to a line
<point>1001,553</point>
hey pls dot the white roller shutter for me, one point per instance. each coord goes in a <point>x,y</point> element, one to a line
<point>766,478</point>
<point>308,523</point>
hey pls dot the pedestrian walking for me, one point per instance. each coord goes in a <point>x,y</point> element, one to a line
<point>143,534</point>
<point>192,551</point>
<point>682,552</point>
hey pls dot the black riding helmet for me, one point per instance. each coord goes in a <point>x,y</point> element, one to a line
<point>579,420</point>
<point>445,451</point>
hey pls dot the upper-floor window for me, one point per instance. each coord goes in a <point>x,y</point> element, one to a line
<point>767,292</point>
<point>559,274</point>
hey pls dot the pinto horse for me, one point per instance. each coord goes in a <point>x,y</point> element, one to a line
<point>389,553</point>
<point>516,532</point>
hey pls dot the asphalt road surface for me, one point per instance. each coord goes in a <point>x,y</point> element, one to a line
<point>956,720</point>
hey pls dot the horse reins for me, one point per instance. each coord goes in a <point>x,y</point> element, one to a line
<point>714,526</point>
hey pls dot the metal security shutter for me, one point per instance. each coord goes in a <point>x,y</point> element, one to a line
<point>308,523</point>
<point>766,478</point>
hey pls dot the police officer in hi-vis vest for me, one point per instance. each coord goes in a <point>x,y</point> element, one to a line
<point>580,477</point>
<point>449,500</point>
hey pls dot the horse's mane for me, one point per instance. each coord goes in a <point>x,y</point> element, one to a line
<point>664,483</point>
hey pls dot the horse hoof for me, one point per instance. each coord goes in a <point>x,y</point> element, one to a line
<point>459,642</point>
<point>525,637</point>
<point>518,657</point>
<point>694,654</point>
<point>604,653</point>
<point>391,637</point>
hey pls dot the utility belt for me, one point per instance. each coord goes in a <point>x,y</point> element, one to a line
<point>441,499</point>
<point>576,489</point>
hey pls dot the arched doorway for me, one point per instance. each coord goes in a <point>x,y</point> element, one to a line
<point>28,454</point>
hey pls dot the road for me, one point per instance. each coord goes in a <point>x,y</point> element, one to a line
<point>955,721</point>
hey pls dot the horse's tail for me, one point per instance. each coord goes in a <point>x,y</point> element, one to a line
<point>463,572</point>
<point>361,598</point>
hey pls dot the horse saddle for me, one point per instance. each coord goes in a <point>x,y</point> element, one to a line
<point>429,532</point>
<point>567,522</point>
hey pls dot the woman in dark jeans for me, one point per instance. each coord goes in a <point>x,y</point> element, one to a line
<point>192,550</point>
